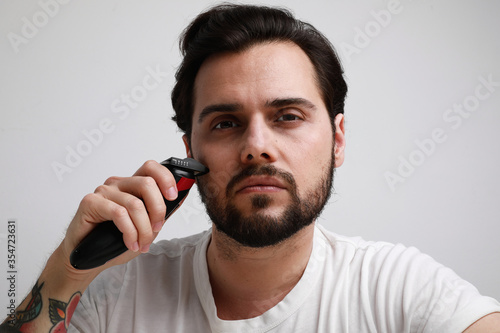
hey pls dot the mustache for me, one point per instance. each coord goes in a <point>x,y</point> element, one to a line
<point>263,170</point>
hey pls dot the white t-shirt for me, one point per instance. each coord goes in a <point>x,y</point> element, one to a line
<point>349,285</point>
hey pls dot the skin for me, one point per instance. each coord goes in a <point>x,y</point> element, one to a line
<point>233,109</point>
<point>293,137</point>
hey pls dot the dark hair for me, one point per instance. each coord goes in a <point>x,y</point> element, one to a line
<point>235,28</point>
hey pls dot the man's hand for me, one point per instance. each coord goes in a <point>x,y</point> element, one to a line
<point>136,206</point>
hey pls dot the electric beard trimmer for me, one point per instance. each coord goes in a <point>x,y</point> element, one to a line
<point>105,242</point>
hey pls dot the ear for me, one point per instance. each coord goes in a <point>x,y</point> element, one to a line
<point>339,144</point>
<point>185,139</point>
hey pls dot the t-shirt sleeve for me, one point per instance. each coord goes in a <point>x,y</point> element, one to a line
<point>432,297</point>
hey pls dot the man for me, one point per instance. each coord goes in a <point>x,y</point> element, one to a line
<point>260,98</point>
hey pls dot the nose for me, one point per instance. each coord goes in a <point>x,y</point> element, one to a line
<point>258,143</point>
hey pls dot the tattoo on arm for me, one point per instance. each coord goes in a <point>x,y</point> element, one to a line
<point>21,318</point>
<point>60,313</point>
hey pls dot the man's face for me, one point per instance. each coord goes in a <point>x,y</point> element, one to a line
<point>261,126</point>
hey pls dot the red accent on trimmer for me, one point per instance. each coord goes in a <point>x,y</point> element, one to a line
<point>184,184</point>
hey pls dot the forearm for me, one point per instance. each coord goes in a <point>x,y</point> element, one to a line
<point>53,299</point>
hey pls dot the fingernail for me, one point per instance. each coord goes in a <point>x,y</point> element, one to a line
<point>135,247</point>
<point>145,248</point>
<point>171,193</point>
<point>157,226</point>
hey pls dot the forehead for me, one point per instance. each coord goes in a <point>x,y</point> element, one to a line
<point>261,73</point>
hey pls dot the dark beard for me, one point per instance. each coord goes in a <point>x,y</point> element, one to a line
<point>261,230</point>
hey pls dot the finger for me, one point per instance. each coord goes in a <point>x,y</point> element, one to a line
<point>95,208</point>
<point>162,176</point>
<point>137,214</point>
<point>147,189</point>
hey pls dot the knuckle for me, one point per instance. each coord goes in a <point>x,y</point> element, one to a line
<point>148,183</point>
<point>135,204</point>
<point>112,180</point>
<point>119,212</point>
<point>159,210</point>
<point>101,189</point>
<point>150,164</point>
<point>88,199</point>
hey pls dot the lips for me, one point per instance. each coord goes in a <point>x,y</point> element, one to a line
<point>260,184</point>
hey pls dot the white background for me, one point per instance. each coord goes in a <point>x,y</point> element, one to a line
<point>405,74</point>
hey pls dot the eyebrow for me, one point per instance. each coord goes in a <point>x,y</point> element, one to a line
<point>275,103</point>
<point>284,102</point>
<point>230,107</point>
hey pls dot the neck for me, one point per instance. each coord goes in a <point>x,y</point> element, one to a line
<point>247,282</point>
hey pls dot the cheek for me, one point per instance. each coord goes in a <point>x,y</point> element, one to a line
<point>203,151</point>
<point>221,173</point>
<point>222,164</point>
<point>312,157</point>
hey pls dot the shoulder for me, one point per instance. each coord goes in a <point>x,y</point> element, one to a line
<point>354,248</point>
<point>402,282</point>
<point>384,263</point>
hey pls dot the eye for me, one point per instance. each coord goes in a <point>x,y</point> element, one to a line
<point>288,117</point>
<point>225,124</point>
